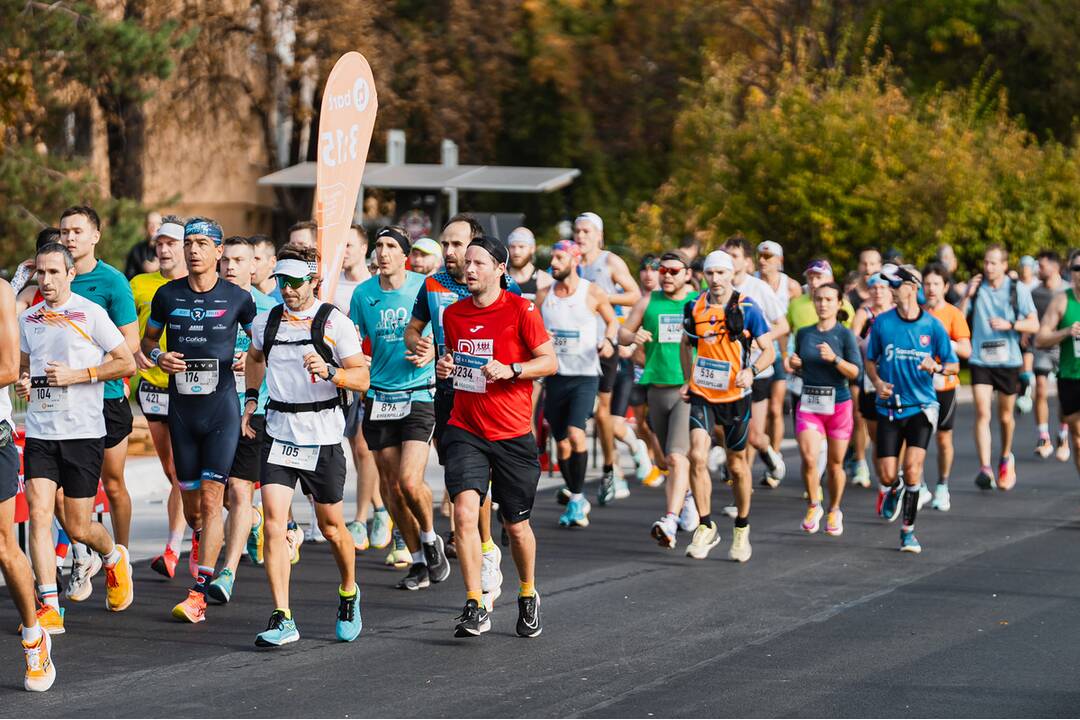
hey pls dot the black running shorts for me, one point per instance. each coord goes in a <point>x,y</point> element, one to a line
<point>761,389</point>
<point>325,484</point>
<point>511,465</point>
<point>247,461</point>
<point>915,430</point>
<point>9,471</point>
<point>204,431</point>
<point>118,421</point>
<point>624,386</point>
<point>947,412</point>
<point>1069,396</point>
<point>609,371</point>
<point>418,425</point>
<point>1004,380</point>
<point>732,417</point>
<point>569,402</point>
<point>74,465</point>
<point>868,405</point>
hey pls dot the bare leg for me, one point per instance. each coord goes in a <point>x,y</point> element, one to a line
<point>112,477</point>
<point>809,447</point>
<point>837,478</point>
<point>241,493</point>
<point>983,394</point>
<point>605,426</point>
<point>13,564</point>
<point>331,519</point>
<point>467,538</point>
<point>276,502</point>
<point>700,481</point>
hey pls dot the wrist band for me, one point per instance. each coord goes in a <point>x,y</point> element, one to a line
<point>92,373</point>
<point>251,394</point>
<point>155,354</point>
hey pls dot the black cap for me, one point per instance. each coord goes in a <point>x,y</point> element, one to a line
<point>494,247</point>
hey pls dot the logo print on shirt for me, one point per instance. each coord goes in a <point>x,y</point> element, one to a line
<point>372,301</point>
<point>479,347</point>
<point>197,314</point>
<point>474,329</point>
<point>924,340</point>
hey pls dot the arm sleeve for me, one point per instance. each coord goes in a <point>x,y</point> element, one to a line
<point>420,309</point>
<point>533,331</point>
<point>342,334</point>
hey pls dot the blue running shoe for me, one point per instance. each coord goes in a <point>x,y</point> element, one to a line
<point>890,505</point>
<point>279,631</point>
<point>909,543</point>
<point>349,622</point>
<point>220,588</point>
<point>256,537</point>
<point>577,513</point>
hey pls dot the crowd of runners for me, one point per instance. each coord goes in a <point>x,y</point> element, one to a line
<point>249,382</point>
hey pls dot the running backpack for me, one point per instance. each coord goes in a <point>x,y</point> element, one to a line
<point>317,341</point>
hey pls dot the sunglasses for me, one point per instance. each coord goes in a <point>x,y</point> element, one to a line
<point>291,282</point>
<point>653,265</point>
<point>670,270</point>
<point>1074,268</point>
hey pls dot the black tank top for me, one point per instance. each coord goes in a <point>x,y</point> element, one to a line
<point>528,288</point>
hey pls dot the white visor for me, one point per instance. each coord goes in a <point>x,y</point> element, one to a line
<point>170,230</point>
<point>292,268</point>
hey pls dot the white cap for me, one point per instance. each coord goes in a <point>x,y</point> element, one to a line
<point>590,217</point>
<point>292,268</point>
<point>718,260</point>
<point>174,231</point>
<point>428,246</point>
<point>521,235</point>
<point>770,247</point>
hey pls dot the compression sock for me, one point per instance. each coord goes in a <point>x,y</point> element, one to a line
<point>576,464</point>
<point>49,596</point>
<point>911,508</point>
<point>526,589</point>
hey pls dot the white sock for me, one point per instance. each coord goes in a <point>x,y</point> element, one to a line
<point>629,439</point>
<point>175,541</point>
<point>427,536</point>
<point>113,557</point>
<point>418,557</point>
<point>31,635</point>
<point>577,496</point>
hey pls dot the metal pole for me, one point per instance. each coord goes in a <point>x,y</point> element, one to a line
<point>452,200</point>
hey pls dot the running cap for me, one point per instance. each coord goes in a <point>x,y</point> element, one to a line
<point>397,236</point>
<point>209,228</point>
<point>590,217</point>
<point>648,260</point>
<point>876,279</point>
<point>1027,261</point>
<point>494,247</point>
<point>292,268</point>
<point>521,235</point>
<point>428,246</point>
<point>676,256</point>
<point>819,266</point>
<point>718,260</point>
<point>770,247</point>
<point>174,231</point>
<point>897,275</point>
<point>567,246</point>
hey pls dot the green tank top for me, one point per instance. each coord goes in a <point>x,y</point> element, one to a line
<point>663,318</point>
<point>1069,364</point>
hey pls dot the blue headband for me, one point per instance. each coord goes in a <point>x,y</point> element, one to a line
<point>204,227</point>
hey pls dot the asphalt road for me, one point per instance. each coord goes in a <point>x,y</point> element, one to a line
<point>983,623</point>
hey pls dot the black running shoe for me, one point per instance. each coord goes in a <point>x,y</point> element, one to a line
<point>474,619</point>
<point>984,480</point>
<point>416,579</point>
<point>437,565</point>
<point>528,624</point>
<point>451,548</point>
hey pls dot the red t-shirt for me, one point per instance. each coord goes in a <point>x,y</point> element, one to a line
<point>508,330</point>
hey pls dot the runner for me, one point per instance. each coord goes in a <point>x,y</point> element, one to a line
<point>1000,310</point>
<point>656,324</point>
<point>720,327</point>
<point>399,414</point>
<point>303,233</point>
<point>69,348</point>
<point>496,346</point>
<point>569,309</point>
<point>531,279</point>
<point>153,389</point>
<point>307,354</point>
<point>881,301</point>
<point>649,280</point>
<point>80,230</point>
<point>827,356</point>
<point>608,271</point>
<point>1061,328</point>
<point>37,645</point>
<point>934,285</point>
<point>202,314</point>
<point>1045,362</point>
<point>1027,277</point>
<point>869,264</point>
<point>425,256</point>
<point>265,258</point>
<point>236,265</point>
<point>900,361</point>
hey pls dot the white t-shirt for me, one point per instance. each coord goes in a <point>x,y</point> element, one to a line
<point>288,381</point>
<point>759,291</point>
<point>77,334</point>
<point>344,291</point>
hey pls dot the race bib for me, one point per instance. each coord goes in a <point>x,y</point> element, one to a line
<point>794,384</point>
<point>712,374</point>
<point>44,398</point>
<point>939,381</point>
<point>468,373</point>
<point>391,405</point>
<point>1076,347</point>
<point>670,328</point>
<point>200,377</point>
<point>931,413</point>
<point>567,342</point>
<point>994,351</point>
<point>818,400</point>
<point>300,457</point>
<point>868,384</point>
<point>154,401</point>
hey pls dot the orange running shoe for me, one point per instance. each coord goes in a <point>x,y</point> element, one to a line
<point>49,619</point>
<point>165,563</point>
<point>119,588</point>
<point>193,609</point>
<point>655,478</point>
<point>40,671</point>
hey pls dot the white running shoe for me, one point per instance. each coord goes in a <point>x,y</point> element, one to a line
<point>740,550</point>
<point>780,467</point>
<point>861,476</point>
<point>717,457</point>
<point>642,464</point>
<point>491,577</point>
<point>79,586</point>
<point>688,516</point>
<point>706,537</point>
<point>1062,452</point>
<point>664,531</point>
<point>941,498</point>
<point>925,496</point>
<point>730,510</point>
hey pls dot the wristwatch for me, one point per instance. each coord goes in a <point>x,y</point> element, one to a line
<point>331,371</point>
<point>516,369</point>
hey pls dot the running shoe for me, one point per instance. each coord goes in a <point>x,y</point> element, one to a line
<point>473,621</point>
<point>925,496</point>
<point>775,475</point>
<point>165,563</point>
<point>313,533</point>
<point>1062,452</point>
<point>279,631</point>
<point>1007,473</point>
<point>257,537</point>
<point>850,463</point>
<point>491,577</point>
<point>717,459</point>
<point>909,543</point>
<point>294,537</point>
<point>890,503</point>
<point>349,623</point>
<point>664,531</point>
<point>399,556</point>
<point>381,529</point>
<point>642,464</point>
<point>79,586</point>
<point>655,478</point>
<point>984,480</point>
<point>40,671</point>
<point>358,530</point>
<point>562,495</point>
<point>220,588</point>
<point>192,609</point>
<point>706,537</point>
<point>812,522</point>
<point>119,588</point>
<point>438,565</point>
<point>49,618</point>
<point>861,476</point>
<point>417,578</point>
<point>834,523</point>
<point>193,556</point>
<point>941,498</point>
<point>606,492</point>
<point>528,622</point>
<point>1044,448</point>
<point>622,488</point>
<point>1024,401</point>
<point>450,545</point>
<point>688,516</point>
<point>577,514</point>
<point>740,549</point>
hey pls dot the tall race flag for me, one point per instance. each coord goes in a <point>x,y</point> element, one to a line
<point>346,122</point>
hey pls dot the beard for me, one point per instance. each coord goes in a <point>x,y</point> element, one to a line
<point>562,274</point>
